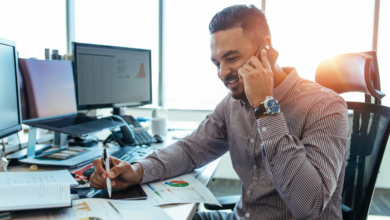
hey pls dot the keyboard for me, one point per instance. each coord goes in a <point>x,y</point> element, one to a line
<point>128,154</point>
<point>66,122</point>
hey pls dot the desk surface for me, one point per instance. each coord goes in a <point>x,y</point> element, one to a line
<point>179,211</point>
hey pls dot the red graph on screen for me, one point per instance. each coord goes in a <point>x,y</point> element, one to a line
<point>141,72</point>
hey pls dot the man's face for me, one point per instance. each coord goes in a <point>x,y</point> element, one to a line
<point>230,50</point>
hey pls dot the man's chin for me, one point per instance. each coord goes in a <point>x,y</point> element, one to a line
<point>239,96</point>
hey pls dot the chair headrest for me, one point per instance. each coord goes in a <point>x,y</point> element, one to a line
<point>348,72</point>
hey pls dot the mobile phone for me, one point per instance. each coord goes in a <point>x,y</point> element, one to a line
<point>272,54</point>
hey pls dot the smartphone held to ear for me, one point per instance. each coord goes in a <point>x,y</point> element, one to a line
<point>272,54</point>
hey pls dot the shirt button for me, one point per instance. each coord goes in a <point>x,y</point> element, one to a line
<point>254,167</point>
<point>252,140</point>
<point>264,129</point>
<point>247,215</point>
<point>248,192</point>
<point>272,163</point>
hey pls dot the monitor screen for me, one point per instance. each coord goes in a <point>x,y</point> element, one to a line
<point>10,116</point>
<point>108,76</point>
<point>49,89</point>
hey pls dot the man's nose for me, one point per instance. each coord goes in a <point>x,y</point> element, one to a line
<point>224,70</point>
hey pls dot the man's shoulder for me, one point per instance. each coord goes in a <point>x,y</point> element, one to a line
<point>314,93</point>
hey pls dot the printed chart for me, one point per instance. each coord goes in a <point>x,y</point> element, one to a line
<point>183,189</point>
<point>177,183</point>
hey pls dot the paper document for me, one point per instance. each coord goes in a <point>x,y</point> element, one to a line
<point>34,196</point>
<point>181,189</point>
<point>14,178</point>
<point>98,209</point>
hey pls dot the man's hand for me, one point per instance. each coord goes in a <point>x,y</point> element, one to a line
<point>257,78</point>
<point>121,173</point>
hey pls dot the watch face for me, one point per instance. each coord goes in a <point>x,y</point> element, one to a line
<point>273,106</point>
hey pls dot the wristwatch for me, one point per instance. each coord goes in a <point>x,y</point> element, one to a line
<point>270,106</point>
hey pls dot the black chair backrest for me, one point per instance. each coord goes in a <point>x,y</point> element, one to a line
<point>369,128</point>
<point>368,125</point>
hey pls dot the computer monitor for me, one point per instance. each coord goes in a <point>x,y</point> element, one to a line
<point>10,113</point>
<point>110,76</point>
<point>49,89</point>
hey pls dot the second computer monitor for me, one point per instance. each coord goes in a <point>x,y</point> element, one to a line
<point>108,76</point>
<point>10,116</point>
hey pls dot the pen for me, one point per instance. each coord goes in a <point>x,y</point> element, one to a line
<point>106,166</point>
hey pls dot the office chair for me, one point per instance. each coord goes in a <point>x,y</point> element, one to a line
<point>368,125</point>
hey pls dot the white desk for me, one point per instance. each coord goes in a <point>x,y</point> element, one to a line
<point>177,212</point>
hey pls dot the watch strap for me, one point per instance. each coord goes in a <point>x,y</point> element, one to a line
<point>259,111</point>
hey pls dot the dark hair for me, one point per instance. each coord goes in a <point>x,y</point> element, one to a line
<point>249,18</point>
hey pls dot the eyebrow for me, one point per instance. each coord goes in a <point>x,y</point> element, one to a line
<point>230,52</point>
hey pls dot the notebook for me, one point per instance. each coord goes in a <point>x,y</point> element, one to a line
<point>35,190</point>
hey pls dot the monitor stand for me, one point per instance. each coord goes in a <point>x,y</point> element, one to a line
<point>119,111</point>
<point>59,141</point>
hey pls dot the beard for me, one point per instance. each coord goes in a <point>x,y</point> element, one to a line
<point>237,93</point>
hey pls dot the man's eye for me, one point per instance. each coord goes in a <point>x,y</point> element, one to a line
<point>232,59</point>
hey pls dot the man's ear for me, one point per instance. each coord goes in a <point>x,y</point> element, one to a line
<point>268,40</point>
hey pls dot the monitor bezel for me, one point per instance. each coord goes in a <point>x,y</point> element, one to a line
<point>16,128</point>
<point>108,105</point>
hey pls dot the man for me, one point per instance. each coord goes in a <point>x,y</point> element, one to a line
<point>291,163</point>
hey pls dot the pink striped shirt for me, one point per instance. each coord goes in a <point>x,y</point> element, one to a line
<point>291,165</point>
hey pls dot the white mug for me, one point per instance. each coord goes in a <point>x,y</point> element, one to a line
<point>159,126</point>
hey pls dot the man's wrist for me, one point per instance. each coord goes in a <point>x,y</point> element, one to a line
<point>262,116</point>
<point>139,172</point>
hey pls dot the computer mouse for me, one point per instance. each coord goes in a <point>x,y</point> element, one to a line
<point>159,138</point>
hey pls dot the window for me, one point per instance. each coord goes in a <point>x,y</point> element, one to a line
<point>120,23</point>
<point>308,32</point>
<point>34,25</point>
<point>191,80</point>
<point>384,49</point>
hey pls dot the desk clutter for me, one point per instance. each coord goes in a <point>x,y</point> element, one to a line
<point>49,194</point>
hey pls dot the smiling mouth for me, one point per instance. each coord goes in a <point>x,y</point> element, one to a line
<point>232,81</point>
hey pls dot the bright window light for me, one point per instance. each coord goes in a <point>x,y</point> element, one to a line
<point>120,23</point>
<point>306,32</point>
<point>191,80</point>
<point>34,25</point>
<point>384,50</point>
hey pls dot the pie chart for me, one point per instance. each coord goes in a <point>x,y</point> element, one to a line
<point>177,183</point>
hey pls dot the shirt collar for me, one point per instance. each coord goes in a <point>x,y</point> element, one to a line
<point>288,82</point>
<point>282,88</point>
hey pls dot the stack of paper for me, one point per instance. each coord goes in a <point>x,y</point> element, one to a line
<point>35,190</point>
<point>16,178</point>
<point>101,209</point>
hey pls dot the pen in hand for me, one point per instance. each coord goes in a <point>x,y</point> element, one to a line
<point>106,166</point>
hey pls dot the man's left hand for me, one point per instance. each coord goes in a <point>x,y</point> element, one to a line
<point>257,78</point>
